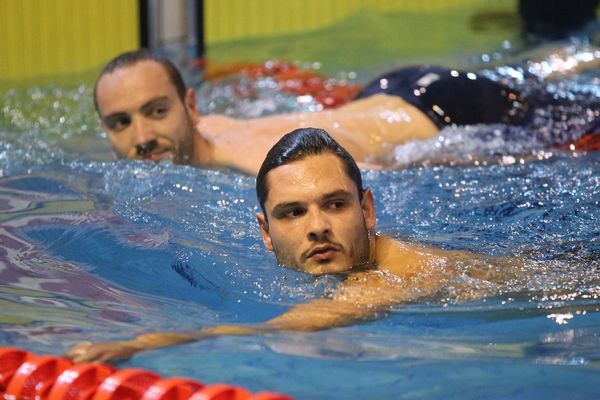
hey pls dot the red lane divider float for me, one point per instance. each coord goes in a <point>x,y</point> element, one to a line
<point>588,142</point>
<point>24,376</point>
<point>290,78</point>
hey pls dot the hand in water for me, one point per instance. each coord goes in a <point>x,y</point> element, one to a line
<point>103,352</point>
<point>115,351</point>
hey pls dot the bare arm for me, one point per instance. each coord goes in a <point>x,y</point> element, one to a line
<point>362,296</point>
<point>368,128</point>
<point>465,274</point>
<point>407,272</point>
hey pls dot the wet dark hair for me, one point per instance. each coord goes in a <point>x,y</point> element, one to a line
<point>297,145</point>
<point>132,57</point>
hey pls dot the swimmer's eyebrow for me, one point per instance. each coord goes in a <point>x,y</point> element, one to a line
<point>153,103</point>
<point>282,208</point>
<point>338,194</point>
<point>111,119</point>
<point>144,108</point>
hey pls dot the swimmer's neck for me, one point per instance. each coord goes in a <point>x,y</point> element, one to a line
<point>204,150</point>
<point>393,255</point>
<point>207,142</point>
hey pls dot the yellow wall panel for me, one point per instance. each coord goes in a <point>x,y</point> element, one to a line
<point>41,38</point>
<point>227,20</point>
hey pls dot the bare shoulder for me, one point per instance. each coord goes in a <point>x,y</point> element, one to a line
<point>410,260</point>
<point>216,125</point>
<point>372,288</point>
<point>389,251</point>
<point>388,247</point>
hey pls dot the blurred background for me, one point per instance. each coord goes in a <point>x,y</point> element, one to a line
<point>66,41</point>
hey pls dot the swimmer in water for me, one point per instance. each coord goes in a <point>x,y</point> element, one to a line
<point>317,218</point>
<point>149,114</point>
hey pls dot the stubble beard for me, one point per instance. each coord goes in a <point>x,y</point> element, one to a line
<point>358,258</point>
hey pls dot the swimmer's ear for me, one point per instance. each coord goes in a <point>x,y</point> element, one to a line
<point>190,104</point>
<point>368,207</point>
<point>264,231</point>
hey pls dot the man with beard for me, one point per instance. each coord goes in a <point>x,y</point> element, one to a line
<point>149,114</point>
<point>317,218</point>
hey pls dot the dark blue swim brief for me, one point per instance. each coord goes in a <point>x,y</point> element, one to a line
<point>452,97</point>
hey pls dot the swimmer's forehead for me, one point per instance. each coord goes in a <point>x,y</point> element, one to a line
<point>130,87</point>
<point>312,178</point>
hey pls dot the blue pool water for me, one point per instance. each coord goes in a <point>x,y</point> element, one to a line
<point>95,249</point>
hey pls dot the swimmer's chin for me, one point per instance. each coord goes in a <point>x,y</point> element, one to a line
<point>333,269</point>
<point>322,269</point>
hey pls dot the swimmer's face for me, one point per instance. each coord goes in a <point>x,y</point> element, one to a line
<point>144,116</point>
<point>315,221</point>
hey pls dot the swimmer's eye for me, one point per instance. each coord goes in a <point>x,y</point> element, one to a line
<point>289,213</point>
<point>158,111</point>
<point>336,204</point>
<point>294,213</point>
<point>117,122</point>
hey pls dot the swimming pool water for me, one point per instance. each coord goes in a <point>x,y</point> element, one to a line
<point>98,250</point>
<point>94,249</point>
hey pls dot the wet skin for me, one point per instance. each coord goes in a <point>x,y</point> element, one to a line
<point>144,116</point>
<point>314,219</point>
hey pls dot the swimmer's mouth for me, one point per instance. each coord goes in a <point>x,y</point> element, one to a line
<point>323,253</point>
<point>158,156</point>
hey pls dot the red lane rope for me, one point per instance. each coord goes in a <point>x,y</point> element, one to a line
<point>290,78</point>
<point>24,375</point>
<point>588,142</point>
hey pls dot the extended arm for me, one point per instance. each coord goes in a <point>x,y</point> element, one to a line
<point>411,272</point>
<point>368,128</point>
<point>362,296</point>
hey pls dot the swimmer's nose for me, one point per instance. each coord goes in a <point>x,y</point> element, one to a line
<point>142,134</point>
<point>146,148</point>
<point>319,228</point>
<point>144,139</point>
